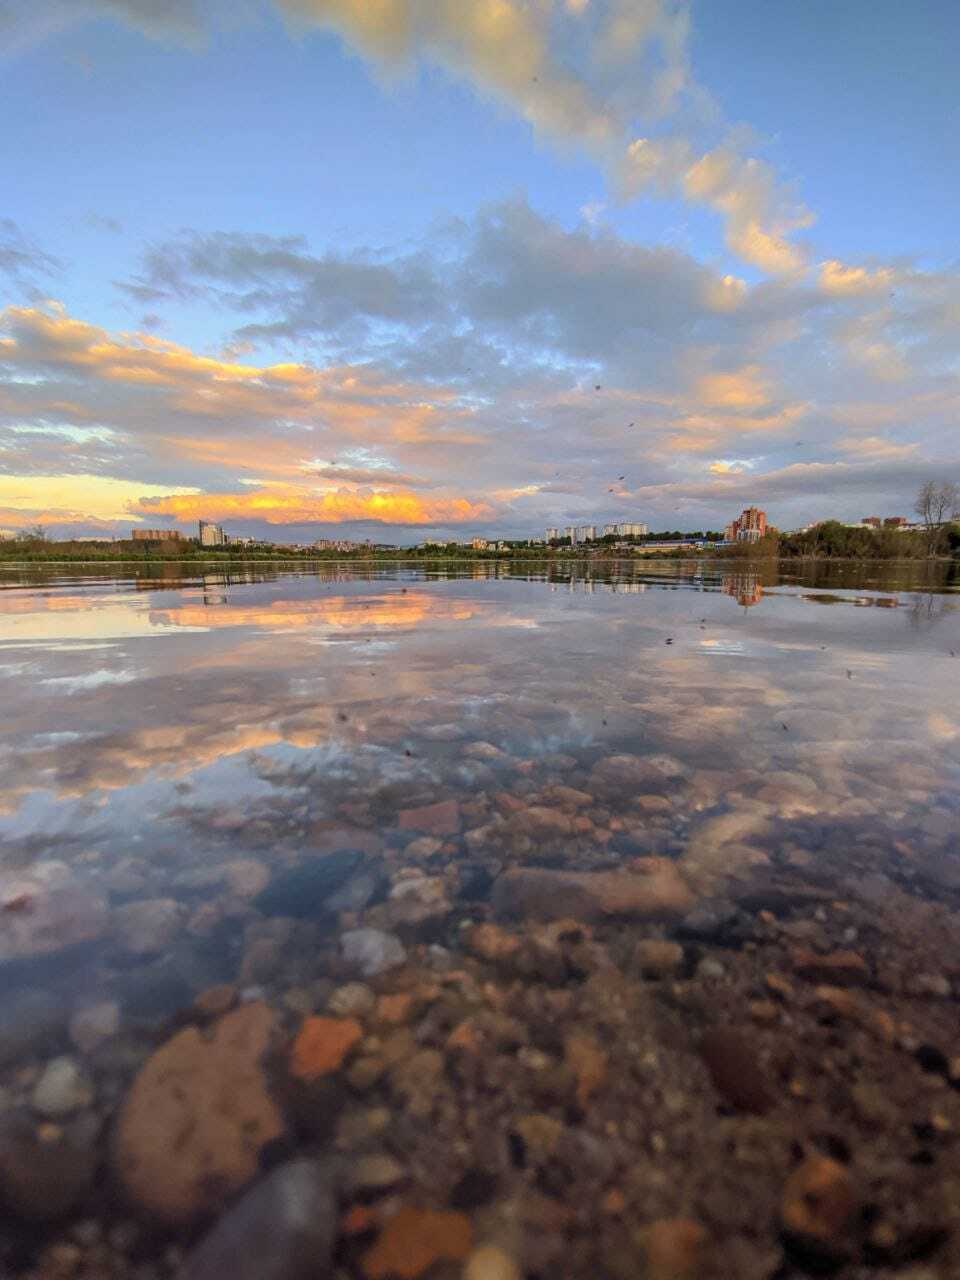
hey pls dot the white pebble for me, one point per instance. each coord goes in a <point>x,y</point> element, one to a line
<point>62,1088</point>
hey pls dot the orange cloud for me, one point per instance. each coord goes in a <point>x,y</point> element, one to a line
<point>745,388</point>
<point>357,401</point>
<point>842,281</point>
<point>290,505</point>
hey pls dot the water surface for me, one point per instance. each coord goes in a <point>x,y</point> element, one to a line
<point>213,779</point>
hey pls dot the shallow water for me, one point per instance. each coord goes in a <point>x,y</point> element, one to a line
<point>187,740</point>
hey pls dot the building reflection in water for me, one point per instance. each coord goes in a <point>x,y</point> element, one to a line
<point>746,588</point>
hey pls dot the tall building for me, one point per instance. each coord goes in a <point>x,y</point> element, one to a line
<point>587,533</point>
<point>479,544</point>
<point>212,535</point>
<point>750,527</point>
<point>571,532</point>
<point>632,530</point>
<point>553,534</point>
<point>156,535</point>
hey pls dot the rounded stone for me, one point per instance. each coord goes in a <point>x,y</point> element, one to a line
<point>196,1118</point>
<point>491,1263</point>
<point>61,1089</point>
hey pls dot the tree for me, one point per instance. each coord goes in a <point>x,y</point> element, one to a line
<point>936,504</point>
<point>35,533</point>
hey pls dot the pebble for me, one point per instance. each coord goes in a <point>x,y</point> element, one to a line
<point>322,1045</point>
<point>146,928</point>
<point>819,1202</point>
<point>45,1175</point>
<point>731,1059</point>
<point>374,1173</point>
<point>653,889</point>
<point>353,999</point>
<point>491,1263</point>
<point>215,1001</point>
<point>281,1229</point>
<point>95,1025</point>
<point>442,819</point>
<point>372,951</point>
<point>658,959</point>
<point>674,1248</point>
<point>414,1240</point>
<point>193,1124</point>
<point>61,912</point>
<point>62,1089</point>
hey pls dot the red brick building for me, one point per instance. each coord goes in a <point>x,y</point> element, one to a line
<point>750,527</point>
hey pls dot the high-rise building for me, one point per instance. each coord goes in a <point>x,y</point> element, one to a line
<point>632,530</point>
<point>479,544</point>
<point>571,532</point>
<point>212,535</point>
<point>552,534</point>
<point>587,533</point>
<point>750,527</point>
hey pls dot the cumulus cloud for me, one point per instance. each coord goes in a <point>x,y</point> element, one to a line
<point>529,374</point>
<point>761,214</point>
<point>584,74</point>
<point>844,281</point>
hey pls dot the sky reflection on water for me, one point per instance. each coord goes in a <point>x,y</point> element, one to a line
<point>172,709</point>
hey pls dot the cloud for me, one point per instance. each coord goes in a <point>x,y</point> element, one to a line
<point>876,448</point>
<point>843,281</point>
<point>295,292</point>
<point>374,475</point>
<point>743,389</point>
<point>299,506</point>
<point>524,367</point>
<point>583,74</point>
<point>22,262</point>
<point>760,213</point>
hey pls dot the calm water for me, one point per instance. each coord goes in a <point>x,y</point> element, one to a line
<point>157,724</point>
<point>178,751</point>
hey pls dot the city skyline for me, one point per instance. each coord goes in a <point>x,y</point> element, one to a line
<point>250,274</point>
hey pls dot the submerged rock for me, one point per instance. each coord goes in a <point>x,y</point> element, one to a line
<point>61,1089</point>
<point>282,1229</point>
<point>442,819</point>
<point>731,1059</point>
<point>818,1204</point>
<point>414,1240</point>
<point>46,911</point>
<point>371,951</point>
<point>305,891</point>
<point>45,1175</point>
<point>653,890</point>
<point>196,1118</point>
<point>146,928</point>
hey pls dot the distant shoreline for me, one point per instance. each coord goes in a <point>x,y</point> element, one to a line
<point>672,557</point>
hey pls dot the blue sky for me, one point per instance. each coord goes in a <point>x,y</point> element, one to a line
<point>370,274</point>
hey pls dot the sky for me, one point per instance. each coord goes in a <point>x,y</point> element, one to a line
<point>414,269</point>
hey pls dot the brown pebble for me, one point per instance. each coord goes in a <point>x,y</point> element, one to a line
<point>818,1202</point>
<point>731,1059</point>
<point>839,968</point>
<point>658,959</point>
<point>216,1000</point>
<point>764,1011</point>
<point>674,1248</point>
